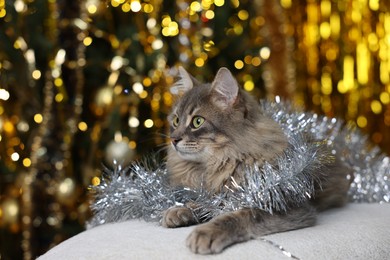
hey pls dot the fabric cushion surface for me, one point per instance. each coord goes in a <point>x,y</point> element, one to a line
<point>357,231</point>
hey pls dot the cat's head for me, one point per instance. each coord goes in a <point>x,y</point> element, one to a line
<point>207,117</point>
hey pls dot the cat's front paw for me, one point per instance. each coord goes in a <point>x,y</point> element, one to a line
<point>178,217</point>
<point>208,239</point>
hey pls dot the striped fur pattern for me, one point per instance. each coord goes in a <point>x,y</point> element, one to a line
<point>216,129</point>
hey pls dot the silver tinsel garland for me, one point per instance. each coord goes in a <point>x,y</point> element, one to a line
<point>141,191</point>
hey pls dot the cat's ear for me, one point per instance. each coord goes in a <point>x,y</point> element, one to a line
<point>184,84</point>
<point>225,88</point>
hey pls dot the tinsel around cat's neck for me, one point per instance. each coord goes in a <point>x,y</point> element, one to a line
<point>141,191</point>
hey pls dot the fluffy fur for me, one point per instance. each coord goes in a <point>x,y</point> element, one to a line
<point>217,129</point>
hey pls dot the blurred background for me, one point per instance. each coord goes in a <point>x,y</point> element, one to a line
<point>86,83</point>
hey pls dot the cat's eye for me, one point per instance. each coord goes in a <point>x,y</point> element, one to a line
<point>197,121</point>
<point>175,121</point>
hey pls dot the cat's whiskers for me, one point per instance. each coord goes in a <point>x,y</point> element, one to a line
<point>219,161</point>
<point>162,135</point>
<point>162,148</point>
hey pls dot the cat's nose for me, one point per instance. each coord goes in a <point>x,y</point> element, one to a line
<point>175,141</point>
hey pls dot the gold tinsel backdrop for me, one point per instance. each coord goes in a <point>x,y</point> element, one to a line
<point>86,83</point>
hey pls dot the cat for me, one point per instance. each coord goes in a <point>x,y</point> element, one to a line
<point>215,130</point>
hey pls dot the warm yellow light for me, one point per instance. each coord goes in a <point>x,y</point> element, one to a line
<point>249,85</point>
<point>58,82</point>
<point>335,25</point>
<point>155,105</point>
<point>325,30</point>
<point>341,87</point>
<point>138,88</point>
<point>147,82</point>
<point>384,73</point>
<point>362,63</point>
<point>374,5</point>
<point>143,94</point>
<point>83,126</point>
<point>114,41</point>
<point>243,15</point>
<point>316,99</point>
<point>326,104</point>
<point>238,29</point>
<point>148,123</point>
<point>15,156</point>
<point>331,54</point>
<point>95,181</point>
<point>312,12</point>
<point>157,96</point>
<point>38,118</point>
<point>207,3</point>
<point>285,3</point>
<point>59,97</point>
<point>194,17</point>
<point>148,8</point>
<point>167,97</point>
<point>87,41</point>
<point>115,3</point>
<point>235,3</point>
<point>238,64</point>
<point>173,28</point>
<point>219,2</point>
<point>373,42</point>
<point>8,127</point>
<point>135,6</point>
<point>209,14</point>
<point>208,45</point>
<point>199,62</point>
<point>165,31</point>
<point>4,94</point>
<point>26,162</point>
<point>348,68</point>
<point>118,89</point>
<point>265,52</point>
<point>17,44</point>
<point>256,61</point>
<point>385,98</point>
<point>132,145</point>
<point>126,7</point>
<point>166,20</point>
<point>376,107</point>
<point>326,8</point>
<point>2,13</point>
<point>157,44</point>
<point>326,84</point>
<point>354,34</point>
<point>92,9</point>
<point>248,59</point>
<point>259,21</point>
<point>361,121</point>
<point>195,6</point>
<point>170,28</point>
<point>36,74</point>
<point>133,122</point>
<point>356,15</point>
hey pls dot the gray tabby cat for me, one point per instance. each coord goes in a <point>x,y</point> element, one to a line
<point>215,130</point>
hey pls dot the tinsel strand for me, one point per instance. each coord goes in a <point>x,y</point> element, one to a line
<point>284,252</point>
<point>371,168</point>
<point>142,191</point>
